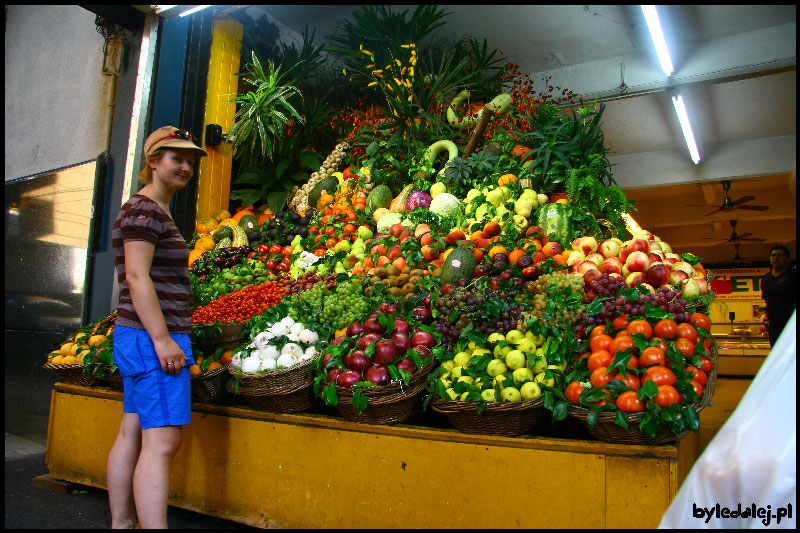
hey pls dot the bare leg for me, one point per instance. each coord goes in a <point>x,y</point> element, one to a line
<point>151,477</point>
<point>121,463</point>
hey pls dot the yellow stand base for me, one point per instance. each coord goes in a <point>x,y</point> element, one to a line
<point>318,471</point>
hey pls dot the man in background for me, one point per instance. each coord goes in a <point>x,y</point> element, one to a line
<point>778,287</point>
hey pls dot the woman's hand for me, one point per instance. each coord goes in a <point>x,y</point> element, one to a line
<point>170,355</point>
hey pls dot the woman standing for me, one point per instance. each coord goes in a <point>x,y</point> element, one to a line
<point>151,334</point>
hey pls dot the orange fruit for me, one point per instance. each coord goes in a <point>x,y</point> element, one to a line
<point>494,250</point>
<point>226,357</point>
<point>194,370</point>
<point>515,255</point>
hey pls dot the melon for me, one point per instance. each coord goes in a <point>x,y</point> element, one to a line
<point>556,221</point>
<point>459,264</point>
<point>380,196</point>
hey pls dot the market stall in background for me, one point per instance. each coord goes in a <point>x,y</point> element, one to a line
<point>437,259</point>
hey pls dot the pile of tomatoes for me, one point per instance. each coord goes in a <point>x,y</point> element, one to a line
<point>240,305</point>
<point>642,365</point>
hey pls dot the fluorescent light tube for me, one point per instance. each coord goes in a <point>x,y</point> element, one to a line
<point>632,226</point>
<point>683,117</point>
<point>657,35</point>
<point>193,10</point>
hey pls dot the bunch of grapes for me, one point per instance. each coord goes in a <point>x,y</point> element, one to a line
<point>488,312</point>
<point>308,281</point>
<point>548,288</point>
<point>345,304</point>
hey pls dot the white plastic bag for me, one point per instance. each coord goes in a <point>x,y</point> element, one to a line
<point>750,467</point>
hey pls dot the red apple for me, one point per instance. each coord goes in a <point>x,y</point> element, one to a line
<point>635,278</point>
<point>354,329</point>
<point>368,339</point>
<point>609,248</point>
<point>611,265</point>
<point>669,262</point>
<point>334,373</point>
<point>677,277</point>
<point>644,234</point>
<point>666,248</point>
<point>596,258</point>
<point>655,246</point>
<point>371,325</point>
<point>326,359</point>
<point>388,308</point>
<point>592,275</point>
<point>377,374</point>
<point>588,245</point>
<point>407,365</point>
<point>400,326</point>
<point>357,360</point>
<point>423,351</point>
<point>648,287</point>
<point>586,266</point>
<point>637,262</point>
<point>658,274</point>
<point>702,284</point>
<point>348,378</point>
<point>423,314</point>
<point>385,351</point>
<point>423,338</point>
<point>638,245</point>
<point>338,340</point>
<point>402,341</point>
<point>655,257</point>
<point>576,258</point>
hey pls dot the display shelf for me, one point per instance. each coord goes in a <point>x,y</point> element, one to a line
<point>315,470</point>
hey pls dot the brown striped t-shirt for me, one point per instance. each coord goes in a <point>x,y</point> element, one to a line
<point>142,219</point>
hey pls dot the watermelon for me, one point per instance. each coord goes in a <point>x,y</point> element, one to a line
<point>556,221</point>
<point>460,264</point>
<point>380,196</point>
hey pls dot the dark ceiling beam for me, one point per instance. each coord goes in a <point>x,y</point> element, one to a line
<point>128,17</point>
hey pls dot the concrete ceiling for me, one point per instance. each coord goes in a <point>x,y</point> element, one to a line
<point>735,67</point>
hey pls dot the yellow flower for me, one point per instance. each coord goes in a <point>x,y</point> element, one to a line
<point>372,84</point>
<point>410,96</point>
<point>370,66</point>
<point>411,71</point>
<point>405,46</point>
<point>344,71</point>
<point>403,70</point>
<point>367,52</point>
<point>398,82</point>
<point>399,64</point>
<point>407,83</point>
<point>413,61</point>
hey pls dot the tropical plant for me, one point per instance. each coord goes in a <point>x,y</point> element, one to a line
<point>263,114</point>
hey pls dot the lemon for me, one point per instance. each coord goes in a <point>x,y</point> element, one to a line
<point>462,359</point>
<point>79,336</point>
<point>456,372</point>
<point>69,348</point>
<point>81,357</point>
<point>496,337</point>
<point>464,396</point>
<point>496,367</point>
<point>453,394</point>
<point>540,378</point>
<point>480,351</point>
<point>515,359</point>
<point>530,391</point>
<point>69,360</point>
<point>510,394</point>
<point>540,362</point>
<point>526,345</point>
<point>498,381</point>
<point>466,379</point>
<point>448,365</point>
<point>488,395</point>
<point>94,340</point>
<point>522,374</point>
<point>514,336</point>
<point>500,352</point>
<point>58,360</point>
<point>437,189</point>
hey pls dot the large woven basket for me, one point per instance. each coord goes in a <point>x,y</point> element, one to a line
<point>111,379</point>
<point>508,419</point>
<point>387,404</point>
<point>228,337</point>
<point>73,374</point>
<point>607,430</point>
<point>293,400</point>
<point>210,386</point>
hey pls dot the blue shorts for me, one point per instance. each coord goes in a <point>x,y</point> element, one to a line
<point>160,399</point>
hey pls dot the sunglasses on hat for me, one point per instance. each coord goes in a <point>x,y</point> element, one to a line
<point>184,135</point>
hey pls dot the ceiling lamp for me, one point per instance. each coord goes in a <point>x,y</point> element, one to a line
<point>632,226</point>
<point>686,127</point>
<point>657,35</point>
<point>177,10</point>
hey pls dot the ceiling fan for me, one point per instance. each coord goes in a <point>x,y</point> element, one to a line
<point>736,238</point>
<point>738,257</point>
<point>729,205</point>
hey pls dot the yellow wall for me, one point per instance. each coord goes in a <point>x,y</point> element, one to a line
<point>214,185</point>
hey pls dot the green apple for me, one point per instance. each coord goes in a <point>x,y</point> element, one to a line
<point>515,359</point>
<point>522,374</point>
<point>510,394</point>
<point>500,352</point>
<point>530,391</point>
<point>462,359</point>
<point>496,367</point>
<point>448,365</point>
<point>364,233</point>
<point>488,395</point>
<point>466,379</point>
<point>539,362</point>
<point>515,336</point>
<point>452,393</point>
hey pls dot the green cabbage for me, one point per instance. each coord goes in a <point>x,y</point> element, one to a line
<point>389,220</point>
<point>445,204</point>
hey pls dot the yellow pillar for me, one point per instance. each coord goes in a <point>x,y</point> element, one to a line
<point>214,185</point>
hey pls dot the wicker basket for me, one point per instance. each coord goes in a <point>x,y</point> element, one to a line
<point>387,404</point>
<point>606,430</point>
<point>508,419</point>
<point>209,387</point>
<point>72,374</point>
<point>111,379</point>
<point>290,401</point>
<point>228,338</point>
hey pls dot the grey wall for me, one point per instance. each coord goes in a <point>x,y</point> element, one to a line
<point>57,99</point>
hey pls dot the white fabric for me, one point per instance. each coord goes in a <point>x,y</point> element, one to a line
<point>752,461</point>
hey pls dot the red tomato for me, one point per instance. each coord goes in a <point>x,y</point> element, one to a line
<point>597,330</point>
<point>667,395</point>
<point>697,388</point>
<point>573,392</point>
<point>688,332</point>
<point>329,231</point>
<point>699,376</point>
<point>659,375</point>
<point>653,355</point>
<point>319,252</point>
<point>599,377</point>
<point>263,248</point>
<point>640,326</point>
<point>707,364</point>
<point>684,346</point>
<point>330,243</point>
<point>349,229</point>
<point>620,344</point>
<point>287,250</point>
<point>631,380</point>
<point>661,343</point>
<point>700,320</point>
<point>621,322</point>
<point>598,359</point>
<point>600,342</point>
<point>627,402</point>
<point>275,249</point>
<point>666,329</point>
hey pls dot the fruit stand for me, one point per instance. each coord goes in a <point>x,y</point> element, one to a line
<point>456,293</point>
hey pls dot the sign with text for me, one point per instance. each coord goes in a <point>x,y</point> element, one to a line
<point>738,283</point>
